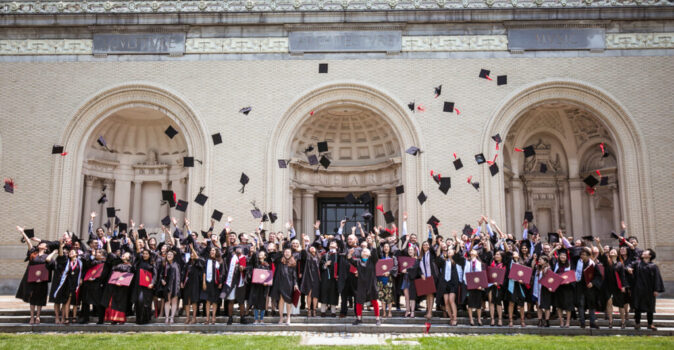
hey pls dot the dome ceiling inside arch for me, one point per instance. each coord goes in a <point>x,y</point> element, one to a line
<point>355,136</point>
<point>137,131</point>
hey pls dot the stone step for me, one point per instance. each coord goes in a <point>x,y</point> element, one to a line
<point>324,328</point>
<point>348,320</point>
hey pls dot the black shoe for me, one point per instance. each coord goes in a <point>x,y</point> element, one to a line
<point>322,314</point>
<point>99,322</point>
<point>357,322</point>
<point>243,320</point>
<point>229,321</point>
<point>582,325</point>
<point>333,315</point>
<point>547,323</point>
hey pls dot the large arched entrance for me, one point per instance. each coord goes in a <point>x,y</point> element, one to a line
<point>565,122</point>
<point>132,118</point>
<point>367,132</point>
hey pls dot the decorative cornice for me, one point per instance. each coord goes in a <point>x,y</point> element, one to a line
<point>232,6</point>
<point>614,41</point>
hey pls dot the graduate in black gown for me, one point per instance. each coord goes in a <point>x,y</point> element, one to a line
<point>647,285</point>
<point>68,285</point>
<point>311,280</point>
<point>56,261</point>
<point>257,299</point>
<point>285,280</point>
<point>614,285</point>
<point>410,274</point>
<point>515,291</point>
<point>116,298</point>
<point>542,294</point>
<point>170,280</point>
<point>367,283</point>
<point>211,282</point>
<point>34,293</point>
<point>450,276</point>
<point>144,281</point>
<point>588,287</point>
<point>565,295</point>
<point>191,284</point>
<point>91,292</point>
<point>329,273</point>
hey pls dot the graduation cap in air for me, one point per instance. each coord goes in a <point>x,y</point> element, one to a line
<point>309,149</point>
<point>322,146</point>
<point>413,150</point>
<point>445,184</point>
<point>115,245</point>
<point>201,198</point>
<point>436,177</point>
<point>497,139</point>
<point>422,198</point>
<point>166,221</point>
<point>467,230</point>
<point>528,216</point>
<point>411,106</point>
<point>56,149</point>
<point>283,163</point>
<point>245,110</point>
<point>103,199</point>
<point>458,164</point>
<point>123,227</point>
<point>591,181</point>
<point>528,151</point>
<point>502,80</point>
<point>544,168</point>
<point>385,234</point>
<point>484,74</point>
<point>182,205</point>
<point>449,108</point>
<point>217,215</point>
<point>101,142</point>
<point>313,160</point>
<point>142,233</point>
<point>603,181</point>
<point>30,233</point>
<point>323,68</point>
<point>110,211</point>
<point>388,217</point>
<point>217,139</point>
<point>265,218</point>
<point>169,197</point>
<point>257,214</point>
<point>588,238</point>
<point>366,215</point>
<point>171,132</point>
<point>243,181</point>
<point>400,189</point>
<point>365,198</point>
<point>325,162</point>
<point>604,152</point>
<point>188,162</point>
<point>479,158</point>
<point>493,169</point>
<point>205,234</point>
<point>553,237</point>
<point>433,221</point>
<point>350,198</point>
<point>614,235</point>
<point>273,217</point>
<point>9,185</point>
<point>438,91</point>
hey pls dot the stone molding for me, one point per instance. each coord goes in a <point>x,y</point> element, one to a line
<point>232,6</point>
<point>449,43</point>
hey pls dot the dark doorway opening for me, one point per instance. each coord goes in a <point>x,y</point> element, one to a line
<point>333,210</point>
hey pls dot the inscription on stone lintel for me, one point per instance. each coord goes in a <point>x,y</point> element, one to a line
<point>345,41</point>
<point>556,39</point>
<point>139,43</point>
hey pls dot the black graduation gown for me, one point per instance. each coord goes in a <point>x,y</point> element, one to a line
<point>311,278</point>
<point>614,278</point>
<point>647,279</point>
<point>57,265</point>
<point>69,287</point>
<point>366,289</point>
<point>451,286</point>
<point>257,298</point>
<point>142,296</point>
<point>518,294</point>
<point>116,298</point>
<point>285,279</point>
<point>212,293</point>
<point>564,297</point>
<point>591,295</point>
<point>329,287</point>
<point>92,291</point>
<point>171,276</point>
<point>409,277</point>
<point>191,278</point>
<point>33,293</point>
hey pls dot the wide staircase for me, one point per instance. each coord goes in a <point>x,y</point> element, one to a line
<point>16,321</point>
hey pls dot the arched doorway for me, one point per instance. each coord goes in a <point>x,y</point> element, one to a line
<point>145,110</point>
<point>367,132</point>
<point>567,120</point>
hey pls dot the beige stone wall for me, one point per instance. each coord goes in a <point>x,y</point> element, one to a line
<point>38,100</point>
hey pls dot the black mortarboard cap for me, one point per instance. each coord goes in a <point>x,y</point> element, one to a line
<point>273,217</point>
<point>265,218</point>
<point>448,107</point>
<point>438,90</point>
<point>246,110</point>
<point>493,169</point>
<point>313,160</point>
<point>257,214</point>
<point>117,220</point>
<point>458,164</point>
<point>553,237</point>
<point>166,221</point>
<point>110,211</point>
<point>413,150</point>
<point>510,240</point>
<point>544,168</point>
<point>350,198</point>
<point>484,74</point>
<point>322,146</point>
<point>479,158</point>
<point>400,189</point>
<point>205,234</point>
<point>103,199</point>
<point>476,185</point>
<point>366,215</point>
<point>309,149</point>
<point>502,80</point>
<point>171,132</point>
<point>56,149</point>
<point>217,139</point>
<point>365,198</point>
<point>528,216</point>
<point>123,227</point>
<point>217,215</point>
<point>445,184</point>
<point>433,221</point>
<point>181,206</point>
<point>325,162</point>
<point>591,181</point>
<point>115,245</point>
<point>283,163</point>
<point>30,233</point>
<point>10,187</point>
<point>588,238</point>
<point>604,181</point>
<point>188,162</point>
<point>384,234</point>
<point>167,195</point>
<point>142,233</point>
<point>529,151</point>
<point>322,68</point>
<point>101,142</point>
<point>201,199</point>
<point>244,179</point>
<point>411,106</point>
<point>388,216</point>
<point>467,230</point>
<point>497,138</point>
<point>422,197</point>
<point>614,235</point>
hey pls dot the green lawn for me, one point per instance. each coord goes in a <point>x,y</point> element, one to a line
<point>238,342</point>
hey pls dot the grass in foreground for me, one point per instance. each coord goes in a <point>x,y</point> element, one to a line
<point>195,341</point>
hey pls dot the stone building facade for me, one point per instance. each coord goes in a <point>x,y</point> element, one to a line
<point>580,74</point>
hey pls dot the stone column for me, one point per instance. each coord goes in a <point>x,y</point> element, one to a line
<point>308,213</point>
<point>593,226</point>
<point>518,206</point>
<point>136,206</point>
<point>165,209</point>
<point>576,188</point>
<point>383,199</point>
<point>88,204</point>
<point>110,195</point>
<point>616,209</point>
<point>123,199</point>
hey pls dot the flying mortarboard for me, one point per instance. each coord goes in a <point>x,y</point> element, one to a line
<point>400,189</point>
<point>433,221</point>
<point>322,146</point>
<point>544,168</point>
<point>171,132</point>
<point>201,199</point>
<point>422,198</point>
<point>188,162</point>
<point>411,106</point>
<point>265,218</point>
<point>56,149</point>
<point>603,181</point>
<point>438,91</point>
<point>502,80</point>
<point>9,186</point>
<point>325,162</point>
<point>110,211</point>
<point>484,74</point>
<point>246,110</point>
<point>493,169</point>
<point>313,160</point>
<point>413,150</point>
<point>588,238</point>
<point>449,108</point>
<point>366,215</point>
<point>205,234</point>
<point>497,138</point>
<point>458,164</point>
<point>166,221</point>
<point>168,196</point>
<point>257,214</point>
<point>243,181</point>
<point>614,235</point>
<point>365,198</point>
<point>476,185</point>
<point>322,68</point>
<point>283,163</point>
<point>115,245</point>
<point>30,233</point>
<point>182,205</point>
<point>217,139</point>
<point>591,181</point>
<point>101,142</point>
<point>467,230</point>
<point>350,198</point>
<point>445,184</point>
<point>388,217</point>
<point>479,158</point>
<point>217,215</point>
<point>553,237</point>
<point>528,216</point>
<point>273,217</point>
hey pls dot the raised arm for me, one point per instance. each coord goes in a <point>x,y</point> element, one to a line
<point>25,238</point>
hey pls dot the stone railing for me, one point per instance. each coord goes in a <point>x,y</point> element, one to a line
<point>232,6</point>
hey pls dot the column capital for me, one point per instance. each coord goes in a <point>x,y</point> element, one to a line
<point>89,180</point>
<point>309,192</point>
